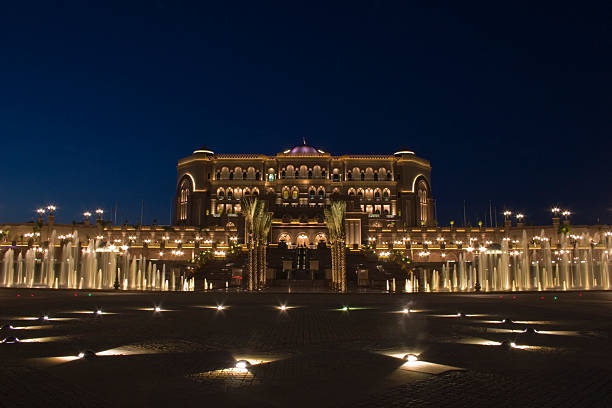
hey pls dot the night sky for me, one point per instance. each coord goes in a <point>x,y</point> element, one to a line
<point>510,102</point>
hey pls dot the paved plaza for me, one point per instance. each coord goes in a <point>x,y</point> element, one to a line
<point>324,350</point>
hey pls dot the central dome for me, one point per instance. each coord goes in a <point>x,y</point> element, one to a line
<point>304,149</point>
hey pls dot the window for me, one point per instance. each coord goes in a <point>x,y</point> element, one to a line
<point>323,174</point>
<point>311,194</point>
<point>285,194</point>
<point>231,176</point>
<point>283,174</point>
<point>220,194</point>
<point>247,193</point>
<point>256,192</point>
<point>257,175</point>
<point>183,200</point>
<point>244,175</point>
<point>309,174</point>
<point>218,175</point>
<point>375,176</point>
<point>386,194</point>
<point>423,205</point>
<point>377,194</point>
<point>349,176</point>
<point>360,194</point>
<point>351,193</point>
<point>209,176</point>
<point>336,177</point>
<point>230,194</point>
<point>321,194</point>
<point>362,176</point>
<point>297,174</point>
<point>270,176</point>
<point>389,176</point>
<point>294,194</point>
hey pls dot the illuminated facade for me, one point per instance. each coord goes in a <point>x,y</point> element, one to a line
<point>380,191</point>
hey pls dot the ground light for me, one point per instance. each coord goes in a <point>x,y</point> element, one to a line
<point>242,364</point>
<point>530,330</point>
<point>10,340</point>
<point>507,320</point>
<point>508,345</point>
<point>283,308</point>
<point>460,314</point>
<point>157,309</point>
<point>220,308</point>
<point>86,355</point>
<point>44,317</point>
<point>405,310</point>
<point>411,358</point>
<point>345,308</point>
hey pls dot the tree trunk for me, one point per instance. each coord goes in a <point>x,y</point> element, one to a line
<point>250,267</point>
<point>264,264</point>
<point>343,266</point>
<point>255,265</point>
<point>333,262</point>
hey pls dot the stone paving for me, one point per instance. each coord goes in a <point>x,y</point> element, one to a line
<point>314,353</point>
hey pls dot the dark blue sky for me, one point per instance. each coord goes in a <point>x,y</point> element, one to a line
<point>511,102</point>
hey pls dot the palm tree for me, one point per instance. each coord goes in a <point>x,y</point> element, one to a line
<point>334,218</point>
<point>250,210</point>
<point>262,229</point>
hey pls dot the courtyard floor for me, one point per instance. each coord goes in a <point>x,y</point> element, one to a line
<point>312,354</point>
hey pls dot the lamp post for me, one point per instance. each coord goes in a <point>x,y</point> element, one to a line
<point>507,219</point>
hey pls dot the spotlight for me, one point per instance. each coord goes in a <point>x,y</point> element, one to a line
<point>87,355</point>
<point>508,345</point>
<point>10,340</point>
<point>283,308</point>
<point>220,308</point>
<point>345,308</point>
<point>157,309</point>
<point>405,310</point>
<point>411,358</point>
<point>460,315</point>
<point>242,364</point>
<point>97,312</point>
<point>44,317</point>
<point>507,320</point>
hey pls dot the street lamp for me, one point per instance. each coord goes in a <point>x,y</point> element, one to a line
<point>41,211</point>
<point>507,214</point>
<point>555,211</point>
<point>566,213</point>
<point>520,217</point>
<point>51,209</point>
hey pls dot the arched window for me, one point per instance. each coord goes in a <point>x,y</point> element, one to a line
<point>255,192</point>
<point>388,176</point>
<point>321,194</point>
<point>231,175</point>
<point>423,205</point>
<point>244,173</point>
<point>323,174</point>
<point>377,194</point>
<point>386,212</point>
<point>270,176</point>
<point>295,194</point>
<point>386,194</point>
<point>247,192</point>
<point>362,176</point>
<point>336,177</point>
<point>351,193</point>
<point>283,174</point>
<point>230,194</point>
<point>376,176</point>
<point>349,176</point>
<point>360,193</point>
<point>311,194</point>
<point>309,174</point>
<point>220,194</point>
<point>285,194</point>
<point>185,190</point>
<point>218,175</point>
<point>257,175</point>
<point>297,174</point>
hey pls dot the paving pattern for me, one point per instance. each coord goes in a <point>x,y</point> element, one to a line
<point>314,353</point>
